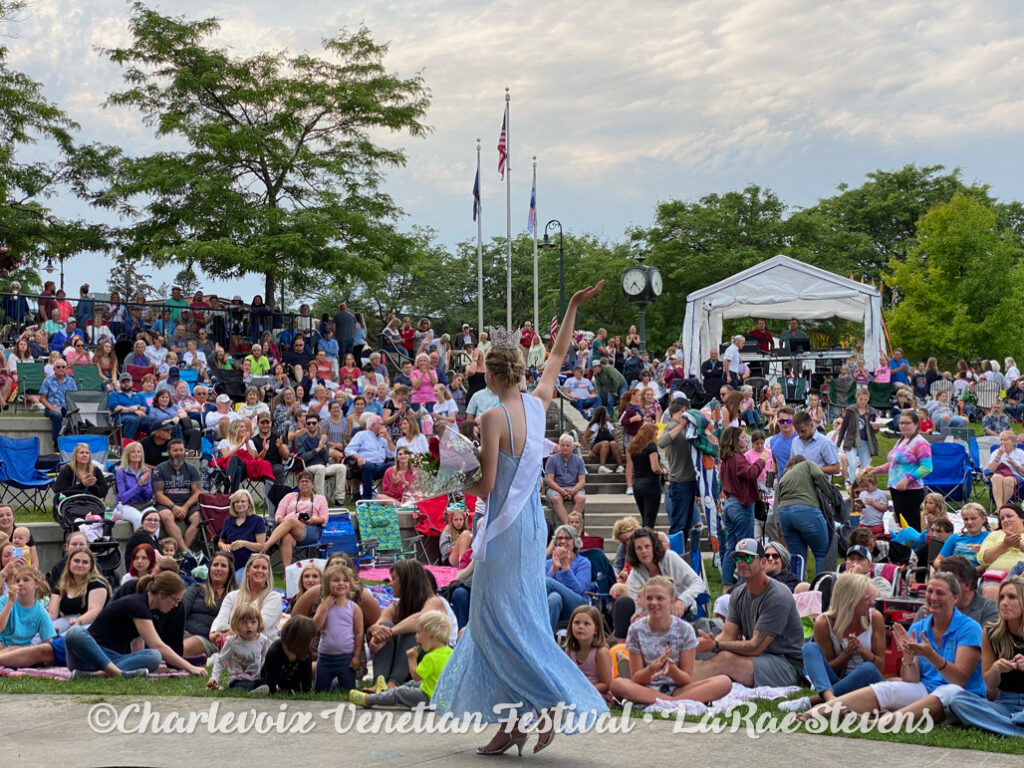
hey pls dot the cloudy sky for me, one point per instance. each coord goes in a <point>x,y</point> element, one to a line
<point>623,103</point>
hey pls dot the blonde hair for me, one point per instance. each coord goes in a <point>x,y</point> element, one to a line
<point>506,365</point>
<point>866,476</point>
<point>241,493</point>
<point>125,455</point>
<point>302,581</point>
<point>940,504</point>
<point>435,625</point>
<point>624,525</point>
<point>847,592</point>
<point>244,595</point>
<point>245,612</point>
<point>67,580</point>
<point>664,582</point>
<point>999,635</point>
<point>338,570</point>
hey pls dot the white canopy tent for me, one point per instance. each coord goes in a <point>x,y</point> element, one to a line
<point>780,287</point>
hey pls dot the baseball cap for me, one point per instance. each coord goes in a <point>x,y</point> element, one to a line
<point>748,547</point>
<point>678,395</point>
<point>861,550</point>
<point>465,325</point>
<point>596,364</point>
<point>164,425</point>
<point>125,377</point>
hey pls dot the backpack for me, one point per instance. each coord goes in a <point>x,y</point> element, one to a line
<point>824,582</point>
<point>830,502</point>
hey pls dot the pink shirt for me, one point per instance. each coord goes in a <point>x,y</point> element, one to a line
<point>423,386</point>
<point>290,506</point>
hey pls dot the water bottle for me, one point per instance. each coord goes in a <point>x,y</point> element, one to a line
<point>108,514</point>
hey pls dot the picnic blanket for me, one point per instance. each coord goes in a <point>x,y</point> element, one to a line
<point>444,574</point>
<point>738,695</point>
<point>383,595</point>
<point>63,673</point>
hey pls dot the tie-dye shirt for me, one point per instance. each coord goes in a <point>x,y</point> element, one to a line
<point>911,460</point>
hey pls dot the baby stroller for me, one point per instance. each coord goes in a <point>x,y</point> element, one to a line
<point>86,513</point>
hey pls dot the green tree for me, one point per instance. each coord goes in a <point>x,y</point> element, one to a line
<point>861,230</point>
<point>280,175</point>
<point>697,244</point>
<point>960,289</point>
<point>27,225</point>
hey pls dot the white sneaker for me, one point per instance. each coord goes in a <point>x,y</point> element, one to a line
<point>619,469</point>
<point>629,491</point>
<point>604,470</point>
<point>796,705</point>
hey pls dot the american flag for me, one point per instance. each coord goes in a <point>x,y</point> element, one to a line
<point>502,145</point>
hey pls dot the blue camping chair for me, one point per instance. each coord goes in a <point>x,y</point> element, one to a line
<point>190,376</point>
<point>987,477</point>
<point>951,472</point>
<point>696,561</point>
<point>18,474</point>
<point>98,444</point>
<point>602,576</point>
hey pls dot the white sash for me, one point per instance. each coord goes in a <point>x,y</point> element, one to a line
<point>523,484</point>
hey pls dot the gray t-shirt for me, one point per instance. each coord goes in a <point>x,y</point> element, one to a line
<point>773,612</point>
<point>175,483</point>
<point>677,454</point>
<point>566,471</point>
<point>650,644</point>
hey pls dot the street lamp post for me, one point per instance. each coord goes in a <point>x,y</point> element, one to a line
<point>548,245</point>
<point>49,268</point>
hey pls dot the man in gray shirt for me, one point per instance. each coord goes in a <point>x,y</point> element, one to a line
<point>565,477</point>
<point>682,479</point>
<point>762,641</point>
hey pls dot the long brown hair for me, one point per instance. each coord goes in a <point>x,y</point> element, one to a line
<point>728,444</point>
<point>414,588</point>
<point>644,437</point>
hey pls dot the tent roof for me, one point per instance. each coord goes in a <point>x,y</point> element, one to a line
<point>782,287</point>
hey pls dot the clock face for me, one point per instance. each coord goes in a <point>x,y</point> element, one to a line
<point>633,281</point>
<point>656,284</point>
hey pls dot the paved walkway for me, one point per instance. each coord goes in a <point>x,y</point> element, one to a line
<point>55,730</point>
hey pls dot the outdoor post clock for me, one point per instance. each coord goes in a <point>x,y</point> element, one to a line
<point>642,284</point>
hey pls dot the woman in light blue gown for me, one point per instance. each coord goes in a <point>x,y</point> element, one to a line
<point>507,662</point>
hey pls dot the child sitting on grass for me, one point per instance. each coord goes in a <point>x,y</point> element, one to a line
<point>22,615</point>
<point>433,630</point>
<point>586,646</point>
<point>288,667</point>
<point>244,652</point>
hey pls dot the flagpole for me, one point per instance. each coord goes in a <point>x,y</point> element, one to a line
<point>479,255</point>
<point>508,214</point>
<point>536,298</point>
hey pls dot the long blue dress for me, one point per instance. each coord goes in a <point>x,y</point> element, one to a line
<point>508,655</point>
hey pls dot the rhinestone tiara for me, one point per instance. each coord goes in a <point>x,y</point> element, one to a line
<point>502,338</point>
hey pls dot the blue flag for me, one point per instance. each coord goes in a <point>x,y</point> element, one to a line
<point>476,192</point>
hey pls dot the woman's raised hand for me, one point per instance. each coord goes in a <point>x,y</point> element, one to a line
<point>586,294</point>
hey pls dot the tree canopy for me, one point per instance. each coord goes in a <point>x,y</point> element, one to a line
<point>280,175</point>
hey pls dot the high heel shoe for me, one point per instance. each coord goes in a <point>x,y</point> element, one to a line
<point>518,743</point>
<point>544,744</point>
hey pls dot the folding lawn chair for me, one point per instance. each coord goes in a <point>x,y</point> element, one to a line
<point>987,393</point>
<point>98,445</point>
<point>18,474</point>
<point>230,383</point>
<point>87,378</point>
<point>430,517</point>
<point>379,520</point>
<point>190,376</point>
<point>214,509</point>
<point>695,560</point>
<point>30,380</point>
<point>941,385</point>
<point>593,542</point>
<point>602,577</point>
<point>795,390</point>
<point>87,413</point>
<point>138,373</point>
<point>880,396</point>
<point>951,472</point>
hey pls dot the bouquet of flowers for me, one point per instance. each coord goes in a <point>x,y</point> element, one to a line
<point>452,464</point>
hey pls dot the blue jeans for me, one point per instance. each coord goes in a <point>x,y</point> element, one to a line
<point>460,605</point>
<point>56,422</point>
<point>83,652</point>
<point>751,418</point>
<point>370,472</point>
<point>992,716</point>
<point>804,527</point>
<point>739,524</point>
<point>1014,411</point>
<point>330,666</point>
<point>680,507</point>
<point>611,399</point>
<point>824,678</point>
<point>582,403</point>
<point>562,601</point>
